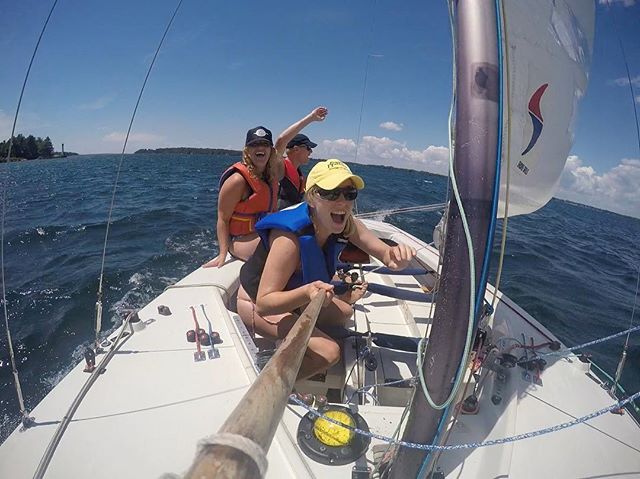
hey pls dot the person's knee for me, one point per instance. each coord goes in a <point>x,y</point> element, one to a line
<point>332,353</point>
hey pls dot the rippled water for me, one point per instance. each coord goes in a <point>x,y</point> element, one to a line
<point>571,266</point>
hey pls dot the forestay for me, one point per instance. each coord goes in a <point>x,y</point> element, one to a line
<point>548,53</point>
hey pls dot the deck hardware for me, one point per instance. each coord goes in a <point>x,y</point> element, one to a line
<point>191,336</point>
<point>328,443</point>
<point>508,360</point>
<point>470,405</point>
<point>360,472</point>
<point>212,337</point>
<point>205,339</point>
<point>198,355</point>
<point>90,360</point>
<point>164,310</point>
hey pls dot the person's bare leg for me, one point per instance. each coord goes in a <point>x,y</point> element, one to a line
<point>322,351</point>
<point>244,246</point>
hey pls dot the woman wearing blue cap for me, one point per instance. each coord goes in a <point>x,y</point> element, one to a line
<point>296,259</point>
<point>249,188</point>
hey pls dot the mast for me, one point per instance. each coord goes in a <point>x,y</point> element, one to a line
<point>477,130</point>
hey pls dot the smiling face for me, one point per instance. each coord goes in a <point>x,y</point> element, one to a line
<point>299,154</point>
<point>331,214</point>
<point>259,153</point>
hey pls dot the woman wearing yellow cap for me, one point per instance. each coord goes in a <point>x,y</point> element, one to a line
<point>297,256</point>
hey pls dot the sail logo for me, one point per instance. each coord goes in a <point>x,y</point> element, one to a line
<point>536,117</point>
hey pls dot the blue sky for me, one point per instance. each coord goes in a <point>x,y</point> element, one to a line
<point>228,66</point>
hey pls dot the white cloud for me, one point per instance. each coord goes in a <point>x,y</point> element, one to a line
<point>385,151</point>
<point>615,190</point>
<point>625,3</point>
<point>624,81</point>
<point>98,103</point>
<point>392,126</point>
<point>146,140</point>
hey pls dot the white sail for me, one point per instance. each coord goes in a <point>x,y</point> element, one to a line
<point>547,47</point>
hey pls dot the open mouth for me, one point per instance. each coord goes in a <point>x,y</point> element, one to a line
<point>338,217</point>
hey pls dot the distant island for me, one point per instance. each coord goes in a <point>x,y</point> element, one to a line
<point>190,151</point>
<point>30,148</point>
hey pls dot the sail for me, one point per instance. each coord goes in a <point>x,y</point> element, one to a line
<point>547,47</point>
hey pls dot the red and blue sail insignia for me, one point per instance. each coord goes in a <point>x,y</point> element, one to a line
<point>536,117</point>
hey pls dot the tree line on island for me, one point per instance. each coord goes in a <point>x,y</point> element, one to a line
<point>190,151</point>
<point>29,148</point>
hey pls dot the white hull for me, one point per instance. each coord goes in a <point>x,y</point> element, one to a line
<point>145,415</point>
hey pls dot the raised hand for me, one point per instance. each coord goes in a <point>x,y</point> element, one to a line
<point>320,113</point>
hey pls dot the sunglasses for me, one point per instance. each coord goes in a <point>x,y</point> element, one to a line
<point>350,193</point>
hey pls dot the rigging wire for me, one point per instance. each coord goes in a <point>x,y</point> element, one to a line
<point>409,209</point>
<point>623,356</point>
<point>26,420</point>
<point>366,74</point>
<point>625,348</point>
<point>98,326</point>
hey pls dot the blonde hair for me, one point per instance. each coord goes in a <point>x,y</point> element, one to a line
<point>350,225</point>
<point>270,173</point>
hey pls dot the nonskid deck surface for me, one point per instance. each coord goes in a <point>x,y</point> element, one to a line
<point>146,413</point>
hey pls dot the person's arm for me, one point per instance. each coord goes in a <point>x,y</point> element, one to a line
<point>278,269</point>
<point>395,257</point>
<point>231,193</point>
<point>318,114</point>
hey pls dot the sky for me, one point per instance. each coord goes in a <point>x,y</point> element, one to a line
<point>381,67</point>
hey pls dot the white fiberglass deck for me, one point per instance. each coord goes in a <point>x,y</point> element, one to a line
<point>144,416</point>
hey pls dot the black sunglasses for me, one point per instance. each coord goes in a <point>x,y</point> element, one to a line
<point>350,193</point>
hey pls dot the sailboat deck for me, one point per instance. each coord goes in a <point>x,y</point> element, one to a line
<point>155,402</point>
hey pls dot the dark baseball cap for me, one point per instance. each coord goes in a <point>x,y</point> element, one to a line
<point>301,140</point>
<point>259,133</point>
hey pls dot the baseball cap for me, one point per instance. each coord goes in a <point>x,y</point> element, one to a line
<point>259,133</point>
<point>330,173</point>
<point>301,140</point>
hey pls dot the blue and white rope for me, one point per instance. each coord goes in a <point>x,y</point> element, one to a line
<point>473,445</point>
<point>590,343</point>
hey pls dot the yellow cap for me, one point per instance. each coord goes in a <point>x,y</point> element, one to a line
<point>330,173</point>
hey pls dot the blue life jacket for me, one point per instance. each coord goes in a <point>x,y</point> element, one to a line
<point>316,263</point>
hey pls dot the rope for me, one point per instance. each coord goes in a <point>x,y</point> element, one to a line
<point>505,220</point>
<point>243,444</point>
<point>14,369</point>
<point>565,351</point>
<point>472,276</point>
<point>115,184</point>
<point>473,445</point>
